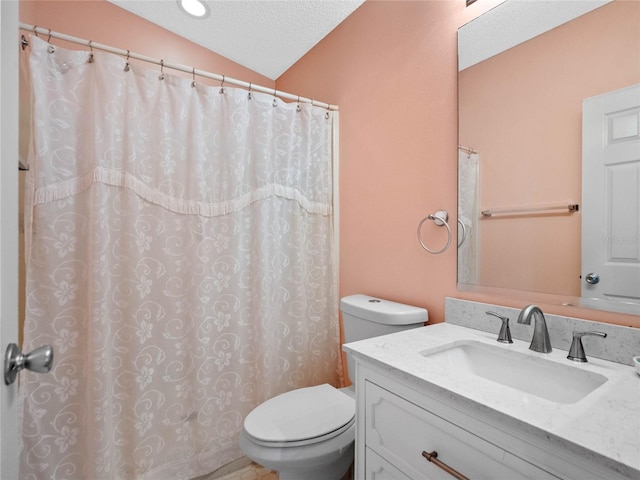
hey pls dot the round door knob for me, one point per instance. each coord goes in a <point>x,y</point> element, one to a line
<point>40,360</point>
<point>592,278</point>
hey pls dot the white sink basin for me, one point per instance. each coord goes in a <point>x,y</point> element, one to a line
<point>526,373</point>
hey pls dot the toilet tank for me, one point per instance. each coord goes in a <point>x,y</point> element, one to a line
<point>366,317</point>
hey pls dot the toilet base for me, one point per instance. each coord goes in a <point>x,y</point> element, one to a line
<point>297,463</point>
<point>336,471</point>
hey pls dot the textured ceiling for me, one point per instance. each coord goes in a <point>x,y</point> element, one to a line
<point>512,23</point>
<point>267,36</point>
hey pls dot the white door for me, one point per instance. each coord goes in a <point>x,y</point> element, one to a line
<point>8,229</point>
<point>611,197</point>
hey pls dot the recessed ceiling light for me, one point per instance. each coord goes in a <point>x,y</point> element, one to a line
<point>195,8</point>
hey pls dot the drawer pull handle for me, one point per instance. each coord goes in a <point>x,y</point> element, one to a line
<point>433,458</point>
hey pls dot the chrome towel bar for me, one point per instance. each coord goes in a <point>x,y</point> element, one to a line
<point>570,208</point>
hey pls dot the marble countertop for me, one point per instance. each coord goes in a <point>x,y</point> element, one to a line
<point>604,425</point>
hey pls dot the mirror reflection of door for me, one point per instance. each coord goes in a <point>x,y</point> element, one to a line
<point>611,196</point>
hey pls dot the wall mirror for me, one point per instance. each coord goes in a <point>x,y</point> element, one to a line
<point>549,153</point>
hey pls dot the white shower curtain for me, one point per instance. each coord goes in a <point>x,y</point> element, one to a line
<point>181,262</point>
<point>468,174</point>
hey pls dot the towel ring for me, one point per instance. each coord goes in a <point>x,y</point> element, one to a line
<point>464,232</point>
<point>439,218</point>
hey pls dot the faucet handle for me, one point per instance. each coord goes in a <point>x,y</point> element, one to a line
<point>576,352</point>
<point>505,333</point>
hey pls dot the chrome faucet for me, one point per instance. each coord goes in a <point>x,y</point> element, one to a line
<point>540,341</point>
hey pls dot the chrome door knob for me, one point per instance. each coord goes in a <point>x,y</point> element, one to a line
<point>592,278</point>
<point>40,361</point>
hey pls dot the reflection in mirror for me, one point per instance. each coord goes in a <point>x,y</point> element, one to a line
<point>522,114</point>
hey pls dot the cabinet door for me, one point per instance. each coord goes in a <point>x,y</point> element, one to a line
<point>399,431</point>
<point>377,468</point>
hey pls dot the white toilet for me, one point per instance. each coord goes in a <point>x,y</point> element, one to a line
<point>308,433</point>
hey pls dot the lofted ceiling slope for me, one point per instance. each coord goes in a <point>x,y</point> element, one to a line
<point>266,36</point>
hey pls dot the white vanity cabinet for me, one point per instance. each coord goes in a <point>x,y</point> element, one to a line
<point>397,422</point>
<point>399,431</point>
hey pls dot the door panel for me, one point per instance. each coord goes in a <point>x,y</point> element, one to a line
<point>8,229</point>
<point>611,196</point>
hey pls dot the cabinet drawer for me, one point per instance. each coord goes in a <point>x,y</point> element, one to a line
<point>399,431</point>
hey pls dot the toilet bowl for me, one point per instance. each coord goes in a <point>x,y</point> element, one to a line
<point>309,433</point>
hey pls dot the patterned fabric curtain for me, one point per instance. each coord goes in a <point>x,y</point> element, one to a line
<point>468,166</point>
<point>181,261</point>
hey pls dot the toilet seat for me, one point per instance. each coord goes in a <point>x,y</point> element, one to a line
<point>301,417</point>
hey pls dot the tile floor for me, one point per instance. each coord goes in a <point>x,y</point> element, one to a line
<point>257,472</point>
<point>251,472</point>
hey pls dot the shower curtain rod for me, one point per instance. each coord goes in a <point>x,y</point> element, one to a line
<point>174,66</point>
<point>467,150</point>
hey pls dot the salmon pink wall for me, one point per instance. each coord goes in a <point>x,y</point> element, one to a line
<point>391,67</point>
<point>540,86</point>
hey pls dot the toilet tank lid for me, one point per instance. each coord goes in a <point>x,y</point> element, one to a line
<point>382,311</point>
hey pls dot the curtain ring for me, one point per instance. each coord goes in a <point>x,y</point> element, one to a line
<point>298,107</point>
<point>440,219</point>
<point>127,67</point>
<point>162,75</point>
<point>90,59</point>
<point>50,48</point>
<point>221,91</point>
<point>275,99</point>
<point>193,74</point>
<point>249,95</point>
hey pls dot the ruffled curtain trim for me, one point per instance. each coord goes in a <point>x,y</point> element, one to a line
<point>117,178</point>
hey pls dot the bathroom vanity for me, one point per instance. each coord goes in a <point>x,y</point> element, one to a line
<point>490,410</point>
